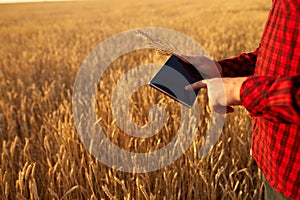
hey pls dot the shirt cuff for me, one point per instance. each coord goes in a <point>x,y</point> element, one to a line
<point>254,95</point>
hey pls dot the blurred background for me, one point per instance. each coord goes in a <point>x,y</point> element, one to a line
<point>42,47</point>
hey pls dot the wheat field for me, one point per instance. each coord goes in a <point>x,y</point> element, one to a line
<point>42,48</point>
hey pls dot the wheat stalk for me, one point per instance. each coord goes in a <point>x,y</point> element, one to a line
<point>164,48</point>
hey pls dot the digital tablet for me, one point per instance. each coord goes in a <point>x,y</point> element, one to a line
<point>172,78</point>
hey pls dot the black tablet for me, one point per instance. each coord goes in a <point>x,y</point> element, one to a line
<point>172,78</point>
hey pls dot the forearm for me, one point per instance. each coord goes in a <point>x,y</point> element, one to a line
<point>274,98</point>
<point>239,66</point>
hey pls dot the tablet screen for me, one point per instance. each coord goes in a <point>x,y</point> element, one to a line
<point>172,78</point>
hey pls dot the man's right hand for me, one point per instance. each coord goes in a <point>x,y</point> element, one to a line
<point>222,92</point>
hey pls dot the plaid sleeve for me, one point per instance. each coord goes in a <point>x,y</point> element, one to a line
<point>242,65</point>
<point>275,98</point>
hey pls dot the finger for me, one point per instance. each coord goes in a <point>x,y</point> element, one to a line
<point>196,85</point>
<point>182,57</point>
<point>229,109</point>
<point>223,109</point>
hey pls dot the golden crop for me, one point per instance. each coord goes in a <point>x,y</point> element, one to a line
<point>43,46</point>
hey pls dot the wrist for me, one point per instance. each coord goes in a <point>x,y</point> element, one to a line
<point>233,86</point>
<point>238,85</point>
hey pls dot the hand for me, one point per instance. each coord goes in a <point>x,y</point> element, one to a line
<point>206,66</point>
<point>222,92</point>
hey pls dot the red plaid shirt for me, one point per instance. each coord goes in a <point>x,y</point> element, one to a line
<point>271,94</point>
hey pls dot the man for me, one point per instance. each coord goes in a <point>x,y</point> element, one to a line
<point>267,83</point>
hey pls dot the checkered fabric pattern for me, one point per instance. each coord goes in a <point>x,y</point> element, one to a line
<point>271,94</point>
